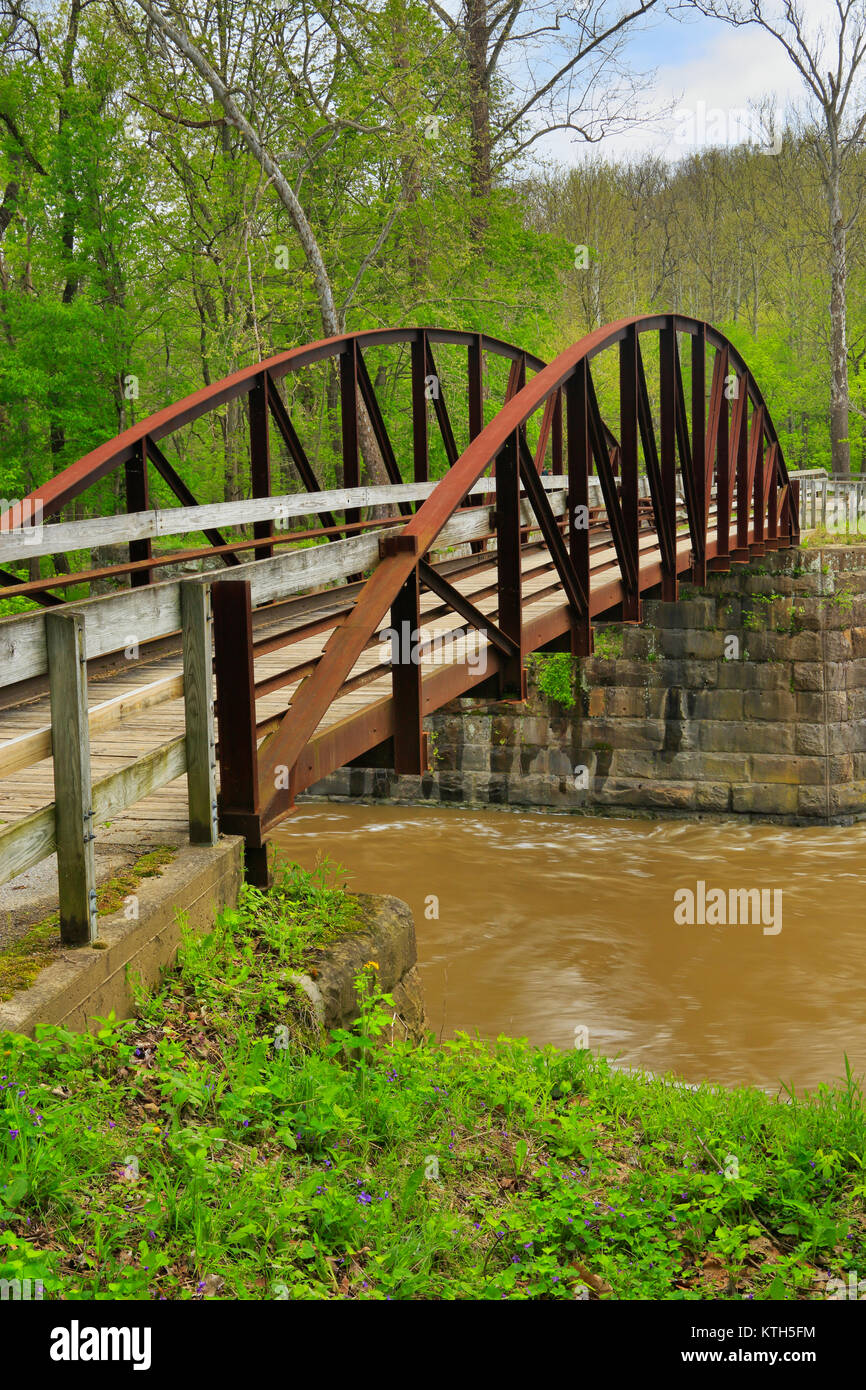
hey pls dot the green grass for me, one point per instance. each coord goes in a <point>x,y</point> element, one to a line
<point>607,643</point>
<point>190,1154</point>
<point>824,536</point>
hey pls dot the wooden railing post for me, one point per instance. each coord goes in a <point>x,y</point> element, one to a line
<point>239,804</point>
<point>195,604</point>
<point>73,813</point>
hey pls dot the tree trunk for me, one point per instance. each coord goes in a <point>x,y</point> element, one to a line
<point>840,405</point>
<point>480,175</point>
<point>331,320</point>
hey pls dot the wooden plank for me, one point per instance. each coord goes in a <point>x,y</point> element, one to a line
<point>73,816</point>
<point>195,602</point>
<point>178,521</point>
<point>114,622</point>
<point>25,843</point>
<point>32,747</point>
<point>137,780</point>
<point>32,838</point>
<point>326,564</point>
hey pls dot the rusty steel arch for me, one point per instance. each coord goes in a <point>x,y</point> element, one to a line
<point>137,450</point>
<point>731,469</point>
<point>717,492</point>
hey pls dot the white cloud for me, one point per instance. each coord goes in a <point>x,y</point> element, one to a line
<point>711,93</point>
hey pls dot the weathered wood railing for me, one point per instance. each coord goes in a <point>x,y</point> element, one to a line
<point>705,473</point>
<point>58,645</point>
<point>836,504</point>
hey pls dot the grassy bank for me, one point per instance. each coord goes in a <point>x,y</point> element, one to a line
<point>191,1153</point>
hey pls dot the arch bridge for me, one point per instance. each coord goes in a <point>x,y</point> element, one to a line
<point>331,621</point>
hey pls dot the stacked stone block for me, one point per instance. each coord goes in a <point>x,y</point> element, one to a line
<point>746,698</point>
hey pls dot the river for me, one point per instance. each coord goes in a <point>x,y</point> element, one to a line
<point>563,929</point>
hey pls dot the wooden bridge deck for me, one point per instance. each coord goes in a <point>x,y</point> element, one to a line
<point>163,815</point>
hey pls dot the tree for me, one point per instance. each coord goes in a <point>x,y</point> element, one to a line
<point>579,82</point>
<point>831,60</point>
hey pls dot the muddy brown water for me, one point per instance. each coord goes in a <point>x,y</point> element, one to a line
<point>548,925</point>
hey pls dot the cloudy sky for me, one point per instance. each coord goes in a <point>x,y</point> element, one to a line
<point>703,68</point>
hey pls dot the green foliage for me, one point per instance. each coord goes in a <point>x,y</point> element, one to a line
<point>190,1154</point>
<point>555,676</point>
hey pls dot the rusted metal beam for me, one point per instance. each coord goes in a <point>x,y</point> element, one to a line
<point>409,742</point>
<point>661,474</point>
<point>239,800</point>
<point>723,468</point>
<point>628,433</point>
<point>434,381</point>
<point>170,475</point>
<point>33,588</point>
<point>577,596</point>
<point>758,504</point>
<point>138,500</point>
<point>297,453</point>
<point>260,455</point>
<point>464,608</point>
<point>386,449</point>
<point>668,464</point>
<point>579,458</point>
<point>420,441</point>
<point>508,563</point>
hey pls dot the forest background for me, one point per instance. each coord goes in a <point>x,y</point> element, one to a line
<point>163,212</point>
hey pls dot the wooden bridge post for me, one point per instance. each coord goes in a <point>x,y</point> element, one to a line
<point>512,678</point>
<point>73,801</point>
<point>239,805</point>
<point>579,454</point>
<point>195,603</point>
<point>138,500</point>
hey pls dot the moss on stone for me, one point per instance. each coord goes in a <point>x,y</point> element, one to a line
<point>21,962</point>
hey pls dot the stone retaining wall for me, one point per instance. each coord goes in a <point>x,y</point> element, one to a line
<point>748,697</point>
